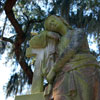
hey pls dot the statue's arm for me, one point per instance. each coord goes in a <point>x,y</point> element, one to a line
<point>75,44</point>
<point>53,35</point>
<point>30,52</point>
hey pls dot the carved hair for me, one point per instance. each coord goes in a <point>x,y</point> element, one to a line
<point>62,19</point>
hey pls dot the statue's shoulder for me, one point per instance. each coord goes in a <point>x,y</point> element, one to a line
<point>75,33</point>
<point>38,41</point>
<point>79,31</point>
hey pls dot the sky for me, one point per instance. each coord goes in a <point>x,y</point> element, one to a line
<point>5,72</point>
<point>6,69</point>
<point>92,43</point>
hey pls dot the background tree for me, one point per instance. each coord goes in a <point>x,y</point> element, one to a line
<point>27,16</point>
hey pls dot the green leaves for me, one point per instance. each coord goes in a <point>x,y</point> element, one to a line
<point>16,83</point>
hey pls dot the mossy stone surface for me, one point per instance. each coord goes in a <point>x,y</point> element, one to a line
<point>37,96</point>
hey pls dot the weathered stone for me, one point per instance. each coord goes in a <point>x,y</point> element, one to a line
<point>75,74</point>
<point>64,59</point>
<point>37,96</point>
<point>43,46</point>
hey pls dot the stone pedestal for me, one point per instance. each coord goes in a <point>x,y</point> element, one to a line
<point>37,96</point>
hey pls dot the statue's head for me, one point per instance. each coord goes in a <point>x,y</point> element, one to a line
<point>56,24</point>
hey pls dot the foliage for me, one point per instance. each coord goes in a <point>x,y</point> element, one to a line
<point>28,16</point>
<point>16,83</point>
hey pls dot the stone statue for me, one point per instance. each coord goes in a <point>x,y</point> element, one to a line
<point>43,46</point>
<point>74,74</point>
<point>64,60</point>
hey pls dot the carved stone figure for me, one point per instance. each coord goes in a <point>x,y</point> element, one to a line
<point>74,74</point>
<point>63,58</point>
<point>43,46</point>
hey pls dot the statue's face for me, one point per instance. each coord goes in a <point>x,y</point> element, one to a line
<point>53,23</point>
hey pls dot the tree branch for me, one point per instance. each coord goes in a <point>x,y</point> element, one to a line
<point>20,37</point>
<point>4,27</point>
<point>65,9</point>
<point>7,39</point>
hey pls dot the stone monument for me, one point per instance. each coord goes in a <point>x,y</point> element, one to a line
<point>64,60</point>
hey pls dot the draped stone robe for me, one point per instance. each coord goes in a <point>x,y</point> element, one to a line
<point>77,71</point>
